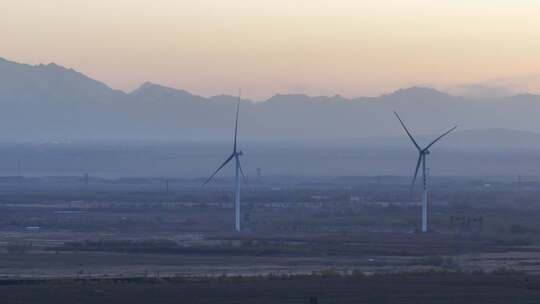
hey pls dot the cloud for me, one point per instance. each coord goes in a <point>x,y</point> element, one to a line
<point>479,90</point>
<point>497,88</point>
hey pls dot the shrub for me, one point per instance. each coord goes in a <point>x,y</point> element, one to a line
<point>19,247</point>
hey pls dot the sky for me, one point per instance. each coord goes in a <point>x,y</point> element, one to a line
<point>317,47</point>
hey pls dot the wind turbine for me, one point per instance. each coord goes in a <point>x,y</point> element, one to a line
<point>238,170</point>
<point>422,155</point>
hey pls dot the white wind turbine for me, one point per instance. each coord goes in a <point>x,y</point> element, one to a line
<point>238,170</point>
<point>422,155</point>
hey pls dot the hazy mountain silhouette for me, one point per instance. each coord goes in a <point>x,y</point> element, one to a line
<point>51,83</point>
<point>50,102</point>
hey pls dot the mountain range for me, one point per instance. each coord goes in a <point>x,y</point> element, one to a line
<point>53,103</point>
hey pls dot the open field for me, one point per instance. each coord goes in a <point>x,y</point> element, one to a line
<point>430,288</point>
<point>372,229</point>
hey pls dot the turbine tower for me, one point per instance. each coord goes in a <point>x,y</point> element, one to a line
<point>422,156</point>
<point>238,170</point>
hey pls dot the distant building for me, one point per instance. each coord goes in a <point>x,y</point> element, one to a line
<point>355,199</point>
<point>320,197</point>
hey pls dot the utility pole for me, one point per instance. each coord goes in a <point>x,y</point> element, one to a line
<point>259,175</point>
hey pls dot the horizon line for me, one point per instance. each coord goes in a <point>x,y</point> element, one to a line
<point>424,87</point>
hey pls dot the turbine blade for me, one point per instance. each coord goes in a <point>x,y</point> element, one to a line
<point>220,167</point>
<point>236,122</point>
<point>407,131</point>
<point>437,139</point>
<point>242,171</point>
<point>416,170</point>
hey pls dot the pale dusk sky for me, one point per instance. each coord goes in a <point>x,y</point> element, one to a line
<point>317,47</point>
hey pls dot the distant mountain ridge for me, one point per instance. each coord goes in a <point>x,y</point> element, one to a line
<point>53,103</point>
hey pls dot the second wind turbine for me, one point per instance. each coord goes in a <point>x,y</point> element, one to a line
<point>422,155</point>
<point>238,170</point>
